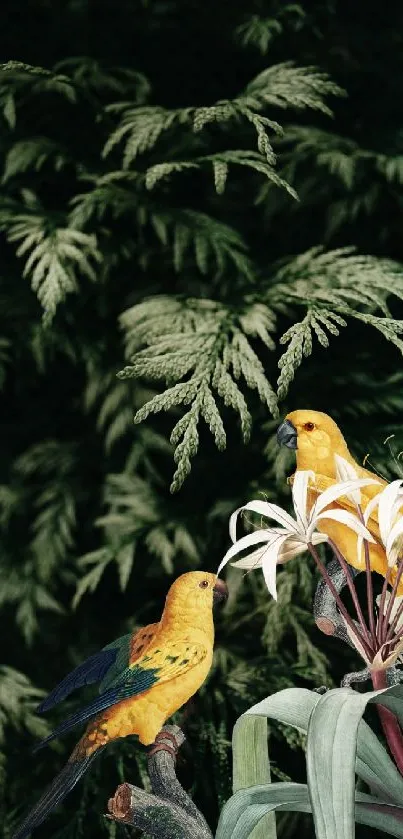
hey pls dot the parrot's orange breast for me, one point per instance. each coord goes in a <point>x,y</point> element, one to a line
<point>145,714</point>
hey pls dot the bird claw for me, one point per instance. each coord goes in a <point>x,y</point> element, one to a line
<point>321,690</point>
<point>160,744</point>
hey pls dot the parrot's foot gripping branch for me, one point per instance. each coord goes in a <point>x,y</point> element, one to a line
<point>168,812</point>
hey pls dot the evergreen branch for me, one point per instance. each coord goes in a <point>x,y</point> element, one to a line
<point>260,32</point>
<point>140,128</point>
<point>220,163</point>
<point>201,344</point>
<point>19,78</point>
<point>337,279</point>
<point>113,193</point>
<point>18,702</point>
<point>33,154</point>
<point>90,75</point>
<point>55,256</point>
<point>136,518</point>
<point>282,86</point>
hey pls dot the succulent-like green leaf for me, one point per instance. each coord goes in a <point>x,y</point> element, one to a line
<point>247,809</point>
<point>251,766</point>
<point>331,756</point>
<point>294,706</point>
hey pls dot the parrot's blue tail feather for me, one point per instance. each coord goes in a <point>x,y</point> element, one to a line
<point>54,794</point>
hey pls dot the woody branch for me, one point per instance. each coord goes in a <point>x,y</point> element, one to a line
<point>168,812</point>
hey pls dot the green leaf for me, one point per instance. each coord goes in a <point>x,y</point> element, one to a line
<point>245,811</point>
<point>331,753</point>
<point>294,706</point>
<point>251,766</point>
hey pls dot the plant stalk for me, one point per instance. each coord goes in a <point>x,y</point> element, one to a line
<point>362,640</point>
<point>390,724</point>
<point>370,591</point>
<point>353,591</point>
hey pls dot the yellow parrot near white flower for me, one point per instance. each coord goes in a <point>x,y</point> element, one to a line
<point>317,439</point>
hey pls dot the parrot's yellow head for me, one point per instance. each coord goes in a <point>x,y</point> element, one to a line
<point>316,438</point>
<point>193,595</point>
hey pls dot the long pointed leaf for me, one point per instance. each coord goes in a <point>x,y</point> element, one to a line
<point>331,756</point>
<point>294,706</point>
<point>251,766</point>
<point>244,812</point>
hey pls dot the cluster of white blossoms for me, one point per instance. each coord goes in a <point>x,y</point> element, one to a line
<point>273,545</point>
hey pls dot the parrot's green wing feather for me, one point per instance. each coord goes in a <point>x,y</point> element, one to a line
<point>93,669</point>
<point>159,664</point>
<point>119,664</point>
<point>135,645</point>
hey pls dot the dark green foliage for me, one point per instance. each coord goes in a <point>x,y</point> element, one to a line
<point>188,238</point>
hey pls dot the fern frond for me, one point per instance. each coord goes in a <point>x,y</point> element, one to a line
<point>23,78</point>
<point>136,517</point>
<point>260,32</point>
<point>334,284</point>
<point>55,257</point>
<point>141,128</point>
<point>90,74</point>
<point>199,345</point>
<point>288,86</point>
<point>33,154</point>
<point>113,193</point>
<point>18,701</point>
<point>220,163</point>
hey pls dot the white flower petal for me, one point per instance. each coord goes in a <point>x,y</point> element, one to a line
<point>396,604</point>
<point>349,520</point>
<point>233,523</point>
<point>273,511</point>
<point>269,565</point>
<point>300,495</point>
<point>247,541</point>
<point>379,664</point>
<point>252,560</point>
<point>354,640</point>
<point>394,543</point>
<point>290,548</point>
<point>386,508</point>
<point>333,493</point>
<point>346,472</point>
<point>371,506</point>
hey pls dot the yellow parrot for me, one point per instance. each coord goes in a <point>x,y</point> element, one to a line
<point>145,677</point>
<point>317,438</point>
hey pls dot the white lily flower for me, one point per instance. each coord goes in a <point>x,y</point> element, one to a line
<point>389,503</point>
<point>279,544</point>
<point>346,472</point>
<point>396,605</point>
<point>377,663</point>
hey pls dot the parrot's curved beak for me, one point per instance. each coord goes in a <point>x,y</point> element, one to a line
<point>220,592</point>
<point>287,435</point>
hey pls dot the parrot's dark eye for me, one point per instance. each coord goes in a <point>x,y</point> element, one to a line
<point>203,584</point>
<point>309,426</point>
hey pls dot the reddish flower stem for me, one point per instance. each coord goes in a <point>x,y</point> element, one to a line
<point>370,591</point>
<point>391,602</point>
<point>353,592</point>
<point>362,640</point>
<point>395,621</point>
<point>390,724</point>
<point>380,628</point>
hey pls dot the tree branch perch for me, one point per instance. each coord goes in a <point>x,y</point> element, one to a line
<point>168,812</point>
